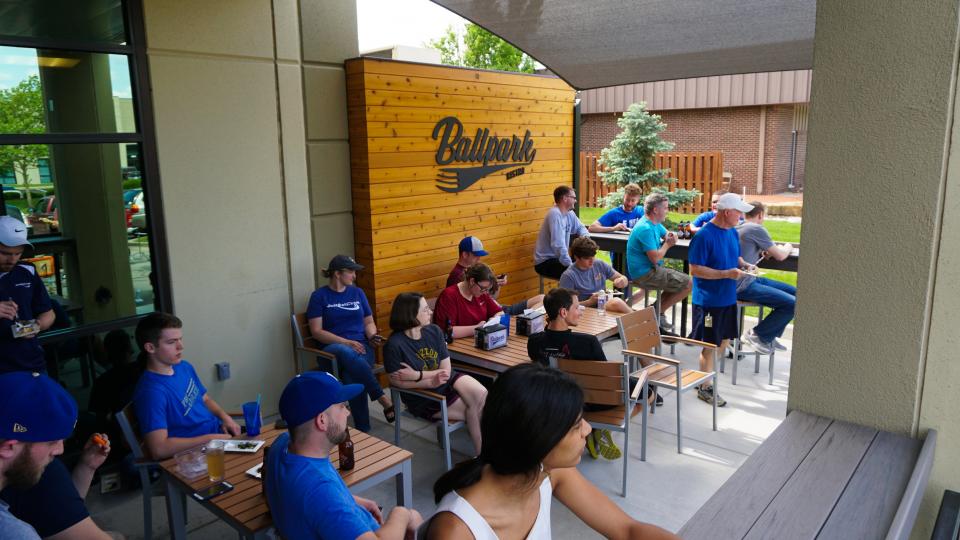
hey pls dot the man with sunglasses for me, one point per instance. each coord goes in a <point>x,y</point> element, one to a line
<point>551,255</point>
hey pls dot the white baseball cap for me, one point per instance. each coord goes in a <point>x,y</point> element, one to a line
<point>13,232</point>
<point>732,201</point>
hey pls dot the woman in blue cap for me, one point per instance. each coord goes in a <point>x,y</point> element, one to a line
<point>340,317</point>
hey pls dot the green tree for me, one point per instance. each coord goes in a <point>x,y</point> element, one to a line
<point>21,113</point>
<point>630,159</point>
<point>478,48</point>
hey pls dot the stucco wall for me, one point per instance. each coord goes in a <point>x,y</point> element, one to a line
<point>881,107</point>
<point>228,91</point>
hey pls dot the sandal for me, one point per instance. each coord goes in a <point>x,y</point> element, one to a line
<point>390,413</point>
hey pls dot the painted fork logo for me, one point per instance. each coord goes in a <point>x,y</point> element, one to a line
<point>495,154</point>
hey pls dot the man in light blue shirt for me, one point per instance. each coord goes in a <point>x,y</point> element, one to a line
<point>551,254</point>
<point>646,248</point>
<point>308,498</point>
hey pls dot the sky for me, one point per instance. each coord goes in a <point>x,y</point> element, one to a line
<point>382,23</point>
<point>17,63</point>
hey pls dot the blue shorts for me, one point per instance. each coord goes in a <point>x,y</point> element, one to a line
<point>723,324</point>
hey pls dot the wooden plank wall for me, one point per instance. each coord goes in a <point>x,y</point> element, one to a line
<point>406,229</point>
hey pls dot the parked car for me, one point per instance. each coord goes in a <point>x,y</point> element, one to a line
<point>130,173</point>
<point>15,212</point>
<point>130,204</point>
<point>45,214</point>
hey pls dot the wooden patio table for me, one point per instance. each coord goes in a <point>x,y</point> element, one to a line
<point>515,352</point>
<point>245,507</point>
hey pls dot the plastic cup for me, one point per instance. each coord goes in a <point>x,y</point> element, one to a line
<point>215,467</point>
<point>505,321</point>
<point>251,417</point>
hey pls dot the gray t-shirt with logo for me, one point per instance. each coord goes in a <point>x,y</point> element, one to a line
<point>754,239</point>
<point>586,282</point>
<point>13,528</point>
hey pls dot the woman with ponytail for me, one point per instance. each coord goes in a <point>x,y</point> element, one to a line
<point>533,435</point>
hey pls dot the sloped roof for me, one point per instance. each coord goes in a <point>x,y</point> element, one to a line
<point>600,43</point>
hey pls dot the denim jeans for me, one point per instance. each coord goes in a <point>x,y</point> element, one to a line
<point>356,368</point>
<point>780,296</point>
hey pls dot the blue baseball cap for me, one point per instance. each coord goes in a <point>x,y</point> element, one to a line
<point>311,393</point>
<point>35,408</point>
<point>473,245</point>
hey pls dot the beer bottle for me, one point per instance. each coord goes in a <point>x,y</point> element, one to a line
<point>448,333</point>
<point>346,452</point>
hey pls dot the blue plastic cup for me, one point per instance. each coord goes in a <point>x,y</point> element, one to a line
<point>251,417</point>
<point>505,321</point>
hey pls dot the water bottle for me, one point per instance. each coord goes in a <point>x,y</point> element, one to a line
<point>602,303</point>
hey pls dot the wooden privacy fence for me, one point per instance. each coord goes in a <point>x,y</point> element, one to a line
<point>702,171</point>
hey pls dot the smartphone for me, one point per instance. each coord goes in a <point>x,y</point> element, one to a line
<point>208,493</point>
<point>501,276</point>
<point>376,339</point>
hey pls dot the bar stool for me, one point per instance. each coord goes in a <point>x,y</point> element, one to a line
<point>738,350</point>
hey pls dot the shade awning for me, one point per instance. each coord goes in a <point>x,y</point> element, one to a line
<point>599,43</point>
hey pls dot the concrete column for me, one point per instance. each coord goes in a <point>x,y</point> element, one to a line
<point>878,274</point>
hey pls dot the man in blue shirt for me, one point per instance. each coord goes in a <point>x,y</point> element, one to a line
<point>716,265</point>
<point>23,297</point>
<point>308,499</point>
<point>551,253</point>
<point>646,248</point>
<point>705,217</point>
<point>623,217</point>
<point>36,415</point>
<point>173,406</point>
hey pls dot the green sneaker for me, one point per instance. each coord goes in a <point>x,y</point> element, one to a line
<point>591,445</point>
<point>608,449</point>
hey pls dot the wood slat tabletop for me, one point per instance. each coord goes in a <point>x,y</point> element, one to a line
<point>246,504</point>
<point>515,352</point>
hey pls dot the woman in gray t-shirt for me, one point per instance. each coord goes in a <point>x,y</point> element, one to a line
<point>416,356</point>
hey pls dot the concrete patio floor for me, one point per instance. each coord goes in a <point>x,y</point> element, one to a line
<point>665,490</point>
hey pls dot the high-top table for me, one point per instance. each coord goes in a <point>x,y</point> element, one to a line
<point>515,352</point>
<point>616,243</point>
<point>245,507</point>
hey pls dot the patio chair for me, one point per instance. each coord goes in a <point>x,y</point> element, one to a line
<point>306,343</point>
<point>608,383</point>
<point>444,425</point>
<point>639,334</point>
<point>130,427</point>
<point>738,349</point>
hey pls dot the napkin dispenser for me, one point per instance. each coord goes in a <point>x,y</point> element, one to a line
<point>531,323</point>
<point>491,337</point>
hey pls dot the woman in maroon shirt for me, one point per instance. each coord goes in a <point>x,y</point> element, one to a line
<point>467,304</point>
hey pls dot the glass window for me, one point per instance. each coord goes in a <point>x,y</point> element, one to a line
<point>91,21</point>
<point>49,91</point>
<point>88,224</point>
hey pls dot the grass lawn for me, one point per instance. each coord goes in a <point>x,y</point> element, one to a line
<point>780,231</point>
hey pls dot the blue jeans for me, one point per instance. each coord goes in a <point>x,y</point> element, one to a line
<point>356,368</point>
<point>780,296</point>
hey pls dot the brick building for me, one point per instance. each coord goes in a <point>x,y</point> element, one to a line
<point>758,121</point>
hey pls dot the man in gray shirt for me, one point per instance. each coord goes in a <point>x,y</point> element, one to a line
<point>550,255</point>
<point>756,244</point>
<point>36,415</point>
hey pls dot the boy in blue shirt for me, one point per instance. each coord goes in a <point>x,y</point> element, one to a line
<point>716,265</point>
<point>308,499</point>
<point>621,218</point>
<point>171,403</point>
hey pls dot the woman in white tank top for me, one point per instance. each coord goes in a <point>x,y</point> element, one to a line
<point>533,436</point>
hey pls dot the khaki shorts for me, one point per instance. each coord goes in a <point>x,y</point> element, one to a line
<point>664,279</point>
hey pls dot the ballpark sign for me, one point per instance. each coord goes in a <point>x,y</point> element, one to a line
<point>479,157</point>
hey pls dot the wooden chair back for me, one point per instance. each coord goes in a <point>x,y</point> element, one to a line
<point>302,333</point>
<point>639,330</point>
<point>130,426</point>
<point>602,382</point>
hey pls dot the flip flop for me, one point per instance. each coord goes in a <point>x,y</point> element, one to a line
<point>390,413</point>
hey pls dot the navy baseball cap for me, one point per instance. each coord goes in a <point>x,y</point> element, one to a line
<point>311,393</point>
<point>35,408</point>
<point>473,245</point>
<point>341,262</point>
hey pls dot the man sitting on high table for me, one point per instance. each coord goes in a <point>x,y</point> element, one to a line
<point>551,254</point>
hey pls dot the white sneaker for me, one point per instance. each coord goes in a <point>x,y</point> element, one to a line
<point>778,346</point>
<point>757,344</point>
<point>665,324</point>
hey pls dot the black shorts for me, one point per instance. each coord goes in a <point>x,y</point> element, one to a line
<point>723,325</point>
<point>551,268</point>
<point>427,408</point>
